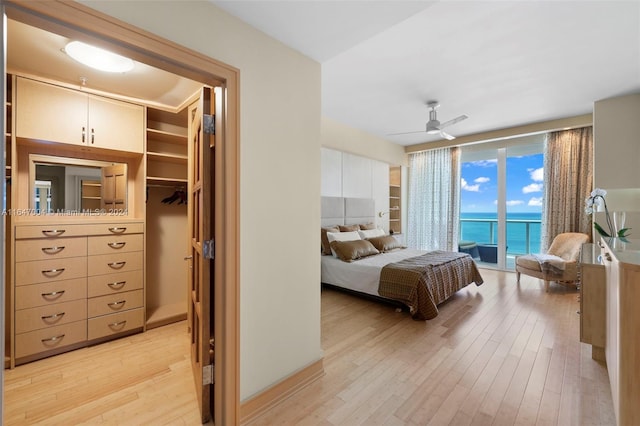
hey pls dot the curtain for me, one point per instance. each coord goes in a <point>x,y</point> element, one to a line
<point>568,177</point>
<point>434,200</point>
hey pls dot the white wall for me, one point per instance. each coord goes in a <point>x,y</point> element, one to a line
<point>343,138</point>
<point>349,175</point>
<point>279,181</point>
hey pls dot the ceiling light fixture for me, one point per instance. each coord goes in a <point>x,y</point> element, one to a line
<point>97,58</point>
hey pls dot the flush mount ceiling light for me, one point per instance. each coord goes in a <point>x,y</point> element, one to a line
<point>97,58</point>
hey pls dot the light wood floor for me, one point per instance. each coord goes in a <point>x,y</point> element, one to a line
<point>142,379</point>
<point>497,354</point>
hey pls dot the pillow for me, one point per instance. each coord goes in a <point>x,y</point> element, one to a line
<point>325,247</point>
<point>349,228</point>
<point>365,226</point>
<point>385,243</point>
<point>349,251</point>
<point>343,236</point>
<point>370,233</point>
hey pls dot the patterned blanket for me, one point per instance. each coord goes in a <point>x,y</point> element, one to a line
<point>423,282</point>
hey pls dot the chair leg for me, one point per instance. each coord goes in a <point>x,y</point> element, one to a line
<point>546,286</point>
<point>518,277</point>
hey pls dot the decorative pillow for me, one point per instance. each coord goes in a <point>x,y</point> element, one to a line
<point>349,228</point>
<point>370,233</point>
<point>326,248</point>
<point>349,251</point>
<point>343,236</point>
<point>385,243</point>
<point>365,226</point>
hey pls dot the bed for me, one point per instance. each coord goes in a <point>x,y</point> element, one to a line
<point>418,279</point>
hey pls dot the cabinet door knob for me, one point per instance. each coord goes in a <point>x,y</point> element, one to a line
<point>84,135</point>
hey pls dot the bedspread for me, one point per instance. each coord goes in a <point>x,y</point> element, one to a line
<point>425,281</point>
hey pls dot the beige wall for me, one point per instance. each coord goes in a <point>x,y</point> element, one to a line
<point>279,181</point>
<point>343,138</point>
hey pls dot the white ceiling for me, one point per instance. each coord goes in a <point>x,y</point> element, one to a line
<point>32,51</point>
<point>502,63</point>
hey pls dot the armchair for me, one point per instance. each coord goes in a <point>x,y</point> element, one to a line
<point>560,263</point>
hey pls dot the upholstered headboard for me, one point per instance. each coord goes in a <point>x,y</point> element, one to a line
<point>347,211</point>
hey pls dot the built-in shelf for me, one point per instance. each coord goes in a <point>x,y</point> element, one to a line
<point>165,181</point>
<point>172,158</point>
<point>165,136</point>
<point>395,200</point>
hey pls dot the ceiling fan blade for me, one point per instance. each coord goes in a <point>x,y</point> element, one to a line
<point>404,133</point>
<point>447,135</point>
<point>454,121</point>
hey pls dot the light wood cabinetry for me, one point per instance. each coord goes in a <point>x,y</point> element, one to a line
<point>75,283</point>
<point>592,301</point>
<point>395,200</point>
<point>166,147</point>
<point>622,350</point>
<point>45,112</point>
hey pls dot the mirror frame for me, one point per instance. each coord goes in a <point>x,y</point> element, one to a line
<point>35,159</point>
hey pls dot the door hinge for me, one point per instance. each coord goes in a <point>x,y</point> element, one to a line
<point>207,375</point>
<point>209,249</point>
<point>209,125</point>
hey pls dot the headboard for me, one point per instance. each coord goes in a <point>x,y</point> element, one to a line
<point>347,211</point>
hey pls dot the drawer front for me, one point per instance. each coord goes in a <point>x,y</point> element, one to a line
<point>107,244</point>
<point>50,231</point>
<point>115,228</point>
<point>50,315</point>
<point>108,325</point>
<point>50,338</point>
<point>30,296</point>
<point>41,271</point>
<point>57,248</point>
<point>112,303</point>
<point>100,285</point>
<point>110,263</point>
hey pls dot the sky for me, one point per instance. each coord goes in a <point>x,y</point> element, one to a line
<point>479,185</point>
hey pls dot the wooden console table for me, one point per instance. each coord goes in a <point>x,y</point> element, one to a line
<point>593,300</point>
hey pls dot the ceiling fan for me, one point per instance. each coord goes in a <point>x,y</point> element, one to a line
<point>434,127</point>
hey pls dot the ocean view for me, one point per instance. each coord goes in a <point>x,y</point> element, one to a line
<point>483,229</point>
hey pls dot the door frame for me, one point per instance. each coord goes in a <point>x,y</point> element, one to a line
<point>74,19</point>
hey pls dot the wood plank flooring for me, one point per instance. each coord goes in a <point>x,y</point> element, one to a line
<point>141,379</point>
<point>498,354</point>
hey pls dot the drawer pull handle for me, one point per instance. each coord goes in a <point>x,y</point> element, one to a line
<point>52,339</point>
<point>117,230</point>
<point>52,250</point>
<point>118,324</point>
<point>53,294</point>
<point>53,232</point>
<point>52,272</point>
<point>117,245</point>
<point>52,317</point>
<point>117,285</point>
<point>607,256</point>
<point>117,305</point>
<point>117,265</point>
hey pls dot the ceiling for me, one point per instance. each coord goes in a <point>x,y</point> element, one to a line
<point>502,63</point>
<point>32,51</point>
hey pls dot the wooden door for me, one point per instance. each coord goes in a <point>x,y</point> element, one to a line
<point>114,188</point>
<point>200,280</point>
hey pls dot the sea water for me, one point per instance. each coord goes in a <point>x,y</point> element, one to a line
<point>483,229</point>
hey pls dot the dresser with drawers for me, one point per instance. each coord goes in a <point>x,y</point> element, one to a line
<point>76,284</point>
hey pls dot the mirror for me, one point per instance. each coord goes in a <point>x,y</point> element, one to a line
<point>77,186</point>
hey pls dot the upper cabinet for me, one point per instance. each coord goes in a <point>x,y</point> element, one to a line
<point>51,113</point>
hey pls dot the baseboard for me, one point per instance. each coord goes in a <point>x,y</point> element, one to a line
<point>257,405</point>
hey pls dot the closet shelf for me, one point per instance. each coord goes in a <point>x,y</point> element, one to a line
<point>161,156</point>
<point>165,180</point>
<point>164,136</point>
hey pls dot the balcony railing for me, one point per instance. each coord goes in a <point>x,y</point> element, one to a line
<point>523,235</point>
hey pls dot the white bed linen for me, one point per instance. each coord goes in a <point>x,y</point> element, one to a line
<point>362,275</point>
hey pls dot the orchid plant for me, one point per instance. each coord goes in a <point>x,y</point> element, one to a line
<point>592,202</point>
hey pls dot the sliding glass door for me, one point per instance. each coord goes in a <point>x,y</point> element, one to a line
<point>501,200</point>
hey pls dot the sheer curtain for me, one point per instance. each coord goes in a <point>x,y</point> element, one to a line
<point>568,177</point>
<point>434,199</point>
